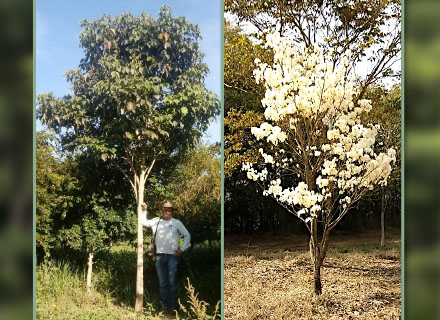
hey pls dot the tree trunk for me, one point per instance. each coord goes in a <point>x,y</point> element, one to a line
<point>315,255</point>
<point>382,220</point>
<point>89,269</point>
<point>317,278</point>
<point>140,249</point>
<point>318,251</point>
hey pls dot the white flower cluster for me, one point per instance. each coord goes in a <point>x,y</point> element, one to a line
<point>267,157</point>
<point>308,200</point>
<point>303,81</point>
<point>274,134</point>
<point>311,108</point>
<point>354,163</point>
<point>252,173</point>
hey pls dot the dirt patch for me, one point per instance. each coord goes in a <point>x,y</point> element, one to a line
<point>278,284</point>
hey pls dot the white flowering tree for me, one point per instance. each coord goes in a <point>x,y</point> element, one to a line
<point>320,158</point>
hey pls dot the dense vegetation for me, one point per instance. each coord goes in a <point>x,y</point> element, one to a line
<point>74,212</point>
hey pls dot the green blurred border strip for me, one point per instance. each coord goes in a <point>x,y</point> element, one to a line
<point>222,136</point>
<point>34,146</point>
<point>402,162</point>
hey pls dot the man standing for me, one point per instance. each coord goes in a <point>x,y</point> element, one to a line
<point>167,231</point>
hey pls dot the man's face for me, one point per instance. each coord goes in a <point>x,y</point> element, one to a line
<point>167,213</point>
<point>144,207</point>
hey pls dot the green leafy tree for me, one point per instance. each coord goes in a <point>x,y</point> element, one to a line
<point>197,190</point>
<point>52,192</point>
<point>243,110</point>
<point>138,99</point>
<point>387,113</point>
<point>96,214</point>
<point>71,210</point>
<point>242,97</point>
<point>240,89</point>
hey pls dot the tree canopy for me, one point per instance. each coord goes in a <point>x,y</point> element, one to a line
<point>138,92</point>
<point>321,154</point>
<point>80,202</point>
<point>370,29</point>
<point>243,109</point>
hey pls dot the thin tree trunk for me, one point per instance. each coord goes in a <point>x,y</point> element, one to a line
<point>140,249</point>
<point>89,269</point>
<point>317,278</point>
<point>324,245</point>
<point>315,255</point>
<point>382,220</point>
<point>318,251</point>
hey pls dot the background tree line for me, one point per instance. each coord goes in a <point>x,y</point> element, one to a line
<point>83,203</point>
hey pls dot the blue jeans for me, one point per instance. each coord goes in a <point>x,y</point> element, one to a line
<point>166,267</point>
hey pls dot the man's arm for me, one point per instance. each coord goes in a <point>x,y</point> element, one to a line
<point>186,236</point>
<point>145,221</point>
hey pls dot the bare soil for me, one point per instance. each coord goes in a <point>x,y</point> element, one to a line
<point>272,278</point>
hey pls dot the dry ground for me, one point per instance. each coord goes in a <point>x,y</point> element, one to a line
<point>359,281</point>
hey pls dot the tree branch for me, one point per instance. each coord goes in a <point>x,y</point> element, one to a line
<point>147,174</point>
<point>233,87</point>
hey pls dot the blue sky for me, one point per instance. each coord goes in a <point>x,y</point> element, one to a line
<point>57,38</point>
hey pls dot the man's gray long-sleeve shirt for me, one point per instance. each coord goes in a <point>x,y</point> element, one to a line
<point>168,234</point>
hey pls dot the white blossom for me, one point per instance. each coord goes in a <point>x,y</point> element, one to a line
<point>303,89</point>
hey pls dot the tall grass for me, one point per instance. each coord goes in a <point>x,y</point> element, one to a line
<point>61,292</point>
<point>197,309</point>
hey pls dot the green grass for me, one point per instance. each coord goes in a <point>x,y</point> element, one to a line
<point>61,292</point>
<point>367,247</point>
